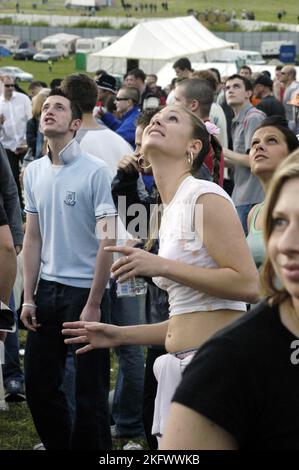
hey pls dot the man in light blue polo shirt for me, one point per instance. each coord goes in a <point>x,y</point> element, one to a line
<point>67,193</point>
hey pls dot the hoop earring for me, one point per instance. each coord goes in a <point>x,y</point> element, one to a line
<point>141,163</point>
<point>190,158</point>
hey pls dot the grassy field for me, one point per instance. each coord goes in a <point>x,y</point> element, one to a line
<point>264,11</point>
<point>40,70</point>
<point>17,431</point>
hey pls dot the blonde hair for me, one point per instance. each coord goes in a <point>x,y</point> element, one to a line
<point>38,101</point>
<point>286,171</point>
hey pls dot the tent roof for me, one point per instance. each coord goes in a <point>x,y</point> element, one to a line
<point>165,39</point>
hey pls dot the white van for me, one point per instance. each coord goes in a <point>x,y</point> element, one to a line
<point>233,55</point>
<point>271,49</point>
<point>62,43</point>
<point>10,42</point>
<point>90,45</point>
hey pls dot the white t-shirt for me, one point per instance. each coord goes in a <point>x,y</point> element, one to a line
<point>16,111</point>
<point>217,116</point>
<point>104,144</point>
<point>179,241</point>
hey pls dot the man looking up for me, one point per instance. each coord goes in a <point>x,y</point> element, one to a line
<point>247,190</point>
<point>67,195</point>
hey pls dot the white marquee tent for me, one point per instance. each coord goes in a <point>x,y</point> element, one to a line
<point>154,43</point>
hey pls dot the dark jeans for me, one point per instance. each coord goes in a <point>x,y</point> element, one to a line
<point>12,368</point>
<point>149,395</point>
<point>44,372</point>
<point>128,393</point>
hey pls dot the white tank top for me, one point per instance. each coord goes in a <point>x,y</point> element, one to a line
<point>179,241</point>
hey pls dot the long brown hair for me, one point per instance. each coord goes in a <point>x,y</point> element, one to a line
<point>287,170</point>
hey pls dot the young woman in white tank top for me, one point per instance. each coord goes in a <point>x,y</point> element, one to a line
<point>204,261</point>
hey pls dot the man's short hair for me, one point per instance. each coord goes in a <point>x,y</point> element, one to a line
<point>246,67</point>
<point>200,90</point>
<point>182,64</point>
<point>137,73</point>
<point>75,108</point>
<point>81,89</point>
<point>36,84</point>
<point>247,83</point>
<point>291,71</point>
<point>208,76</point>
<point>152,75</point>
<point>132,94</point>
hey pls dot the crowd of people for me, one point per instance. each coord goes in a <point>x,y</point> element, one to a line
<point>210,222</point>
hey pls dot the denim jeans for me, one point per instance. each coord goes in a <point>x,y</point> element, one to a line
<point>44,372</point>
<point>128,393</point>
<point>12,368</point>
<point>69,382</point>
<point>243,212</point>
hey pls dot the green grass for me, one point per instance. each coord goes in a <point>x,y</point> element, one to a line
<point>40,70</point>
<point>17,431</point>
<point>264,11</point>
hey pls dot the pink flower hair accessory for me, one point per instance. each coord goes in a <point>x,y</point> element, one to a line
<point>212,128</point>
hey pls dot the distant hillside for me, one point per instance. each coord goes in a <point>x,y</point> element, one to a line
<point>273,10</point>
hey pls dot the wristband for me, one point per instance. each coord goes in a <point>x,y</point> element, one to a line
<point>29,305</point>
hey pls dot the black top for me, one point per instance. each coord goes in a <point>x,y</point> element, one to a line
<point>3,218</point>
<point>10,199</point>
<point>271,106</point>
<point>246,380</point>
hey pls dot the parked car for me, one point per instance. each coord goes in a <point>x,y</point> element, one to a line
<point>47,54</point>
<point>24,54</point>
<point>18,74</point>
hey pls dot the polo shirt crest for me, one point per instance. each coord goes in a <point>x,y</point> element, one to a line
<point>70,198</point>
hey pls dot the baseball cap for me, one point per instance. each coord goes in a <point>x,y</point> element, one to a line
<point>263,79</point>
<point>107,82</point>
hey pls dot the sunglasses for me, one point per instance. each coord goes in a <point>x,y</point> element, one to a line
<point>8,86</point>
<point>121,99</point>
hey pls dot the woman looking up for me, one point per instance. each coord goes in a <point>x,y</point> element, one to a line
<point>272,142</point>
<point>203,262</point>
<point>246,377</point>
